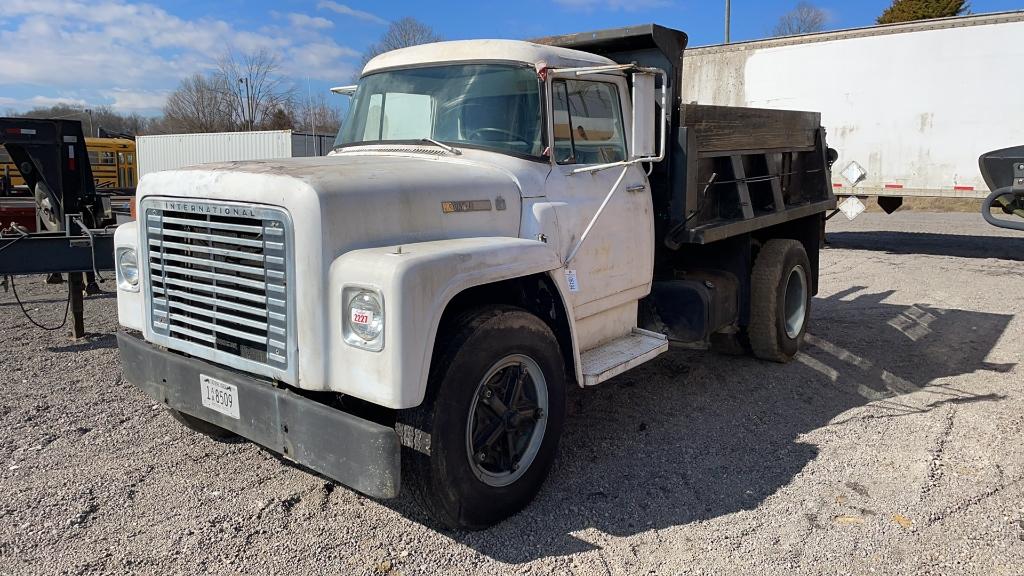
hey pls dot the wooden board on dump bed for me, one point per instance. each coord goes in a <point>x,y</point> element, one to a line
<point>727,128</point>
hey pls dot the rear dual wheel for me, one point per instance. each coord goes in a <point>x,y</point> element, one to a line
<point>480,446</point>
<point>780,294</point>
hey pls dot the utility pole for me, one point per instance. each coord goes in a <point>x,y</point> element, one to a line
<point>247,116</point>
<point>728,18</point>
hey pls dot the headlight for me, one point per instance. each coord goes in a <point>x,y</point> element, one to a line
<point>127,269</point>
<point>364,319</point>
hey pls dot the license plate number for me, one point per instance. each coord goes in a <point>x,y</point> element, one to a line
<point>220,396</point>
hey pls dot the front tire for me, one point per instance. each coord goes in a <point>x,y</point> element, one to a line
<point>482,443</point>
<point>203,427</point>
<point>780,300</point>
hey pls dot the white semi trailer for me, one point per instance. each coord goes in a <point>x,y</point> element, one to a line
<point>910,107</point>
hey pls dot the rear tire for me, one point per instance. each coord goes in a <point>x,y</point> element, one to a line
<point>730,343</point>
<point>780,300</point>
<point>467,461</point>
<point>203,427</point>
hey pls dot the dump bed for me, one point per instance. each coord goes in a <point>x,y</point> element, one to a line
<point>728,170</point>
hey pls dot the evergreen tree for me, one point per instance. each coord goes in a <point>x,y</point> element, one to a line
<point>910,10</point>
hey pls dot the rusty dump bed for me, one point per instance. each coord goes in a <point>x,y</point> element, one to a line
<point>728,170</point>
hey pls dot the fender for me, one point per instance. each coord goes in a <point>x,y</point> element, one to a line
<point>416,282</point>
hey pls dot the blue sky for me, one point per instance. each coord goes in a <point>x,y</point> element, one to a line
<point>129,55</point>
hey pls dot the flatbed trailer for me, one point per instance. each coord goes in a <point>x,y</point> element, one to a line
<point>70,221</point>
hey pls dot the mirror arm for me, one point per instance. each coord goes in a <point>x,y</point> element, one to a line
<point>664,130</point>
<point>599,167</point>
<point>986,209</point>
<point>585,70</point>
<point>586,231</point>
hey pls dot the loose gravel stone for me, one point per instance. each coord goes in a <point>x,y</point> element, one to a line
<point>892,445</point>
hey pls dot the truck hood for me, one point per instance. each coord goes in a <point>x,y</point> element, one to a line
<point>351,201</point>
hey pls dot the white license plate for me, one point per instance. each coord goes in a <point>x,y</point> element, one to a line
<point>220,396</point>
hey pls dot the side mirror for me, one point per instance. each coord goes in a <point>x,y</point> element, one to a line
<point>1003,168</point>
<point>642,140</point>
<point>1003,171</point>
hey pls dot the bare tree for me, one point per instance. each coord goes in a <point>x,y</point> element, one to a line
<point>317,116</point>
<point>803,19</point>
<point>95,120</point>
<point>244,93</point>
<point>281,119</point>
<point>254,87</point>
<point>199,104</point>
<point>401,34</point>
<point>110,122</point>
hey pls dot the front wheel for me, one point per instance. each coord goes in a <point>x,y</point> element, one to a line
<point>480,446</point>
<point>203,427</point>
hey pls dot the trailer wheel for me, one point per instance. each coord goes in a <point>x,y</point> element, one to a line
<point>480,446</point>
<point>780,300</point>
<point>202,426</point>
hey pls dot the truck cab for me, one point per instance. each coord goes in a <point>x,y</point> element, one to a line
<point>498,220</point>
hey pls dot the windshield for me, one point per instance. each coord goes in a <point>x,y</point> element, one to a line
<point>489,106</point>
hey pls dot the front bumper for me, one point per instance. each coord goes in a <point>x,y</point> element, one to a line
<point>356,452</point>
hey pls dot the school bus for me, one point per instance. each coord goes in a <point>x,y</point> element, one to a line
<point>112,161</point>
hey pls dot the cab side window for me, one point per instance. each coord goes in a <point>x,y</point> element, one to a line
<point>588,122</point>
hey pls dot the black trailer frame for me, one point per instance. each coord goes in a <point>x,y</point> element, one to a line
<point>52,158</point>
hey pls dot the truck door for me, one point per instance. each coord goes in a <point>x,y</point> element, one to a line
<point>615,264</point>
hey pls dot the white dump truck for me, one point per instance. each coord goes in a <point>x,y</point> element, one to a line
<point>499,220</point>
<point>909,106</point>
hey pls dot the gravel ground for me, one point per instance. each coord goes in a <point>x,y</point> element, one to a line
<point>891,446</point>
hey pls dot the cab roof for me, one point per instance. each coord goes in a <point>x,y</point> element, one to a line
<point>516,51</point>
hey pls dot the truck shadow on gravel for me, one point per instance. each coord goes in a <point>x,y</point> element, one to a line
<point>694,436</point>
<point>955,245</point>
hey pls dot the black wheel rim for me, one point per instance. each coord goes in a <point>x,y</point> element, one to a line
<point>507,420</point>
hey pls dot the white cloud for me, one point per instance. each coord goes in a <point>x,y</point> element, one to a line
<point>132,100</point>
<point>130,55</point>
<point>305,22</point>
<point>51,100</point>
<point>40,101</point>
<point>347,11</point>
<point>612,5</point>
<point>323,60</point>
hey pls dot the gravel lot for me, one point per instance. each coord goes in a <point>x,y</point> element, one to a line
<point>892,446</point>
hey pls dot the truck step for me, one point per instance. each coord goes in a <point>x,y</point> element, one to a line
<point>614,358</point>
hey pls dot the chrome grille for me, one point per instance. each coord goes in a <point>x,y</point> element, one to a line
<point>217,281</point>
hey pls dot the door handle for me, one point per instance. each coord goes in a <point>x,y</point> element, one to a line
<point>636,188</point>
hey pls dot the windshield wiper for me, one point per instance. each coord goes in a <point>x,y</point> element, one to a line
<point>442,145</point>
